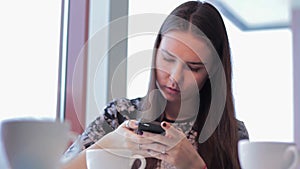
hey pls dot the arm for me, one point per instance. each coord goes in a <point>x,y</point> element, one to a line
<point>94,132</point>
<point>79,162</point>
<point>75,156</point>
<point>100,132</point>
<point>121,138</point>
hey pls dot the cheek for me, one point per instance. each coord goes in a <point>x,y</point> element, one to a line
<point>201,82</point>
<point>196,81</point>
<point>161,70</point>
<point>160,75</point>
<point>162,67</point>
<point>201,78</point>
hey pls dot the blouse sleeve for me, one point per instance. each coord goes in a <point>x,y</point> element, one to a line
<point>115,113</point>
<point>242,131</point>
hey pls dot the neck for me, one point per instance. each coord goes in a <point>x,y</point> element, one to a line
<point>181,111</point>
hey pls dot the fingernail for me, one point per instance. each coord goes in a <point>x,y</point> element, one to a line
<point>139,132</point>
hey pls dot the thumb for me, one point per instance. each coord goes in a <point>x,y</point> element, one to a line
<point>174,135</point>
<point>170,130</point>
<point>165,125</point>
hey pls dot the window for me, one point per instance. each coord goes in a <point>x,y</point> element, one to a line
<point>263,82</point>
<point>30,35</point>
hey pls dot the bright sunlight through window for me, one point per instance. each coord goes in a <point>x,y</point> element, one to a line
<point>30,35</point>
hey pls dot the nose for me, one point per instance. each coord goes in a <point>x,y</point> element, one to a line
<point>176,74</point>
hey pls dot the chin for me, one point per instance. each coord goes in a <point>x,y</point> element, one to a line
<point>171,98</point>
<point>182,98</point>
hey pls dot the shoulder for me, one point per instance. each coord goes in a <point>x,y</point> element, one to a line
<point>123,104</point>
<point>115,113</point>
<point>242,130</point>
<point>128,108</point>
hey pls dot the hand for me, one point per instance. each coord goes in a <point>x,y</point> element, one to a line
<point>124,137</point>
<point>173,147</point>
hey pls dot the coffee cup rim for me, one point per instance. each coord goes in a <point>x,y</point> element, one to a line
<point>116,151</point>
<point>265,142</point>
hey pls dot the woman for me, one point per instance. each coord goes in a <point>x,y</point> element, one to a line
<point>189,93</point>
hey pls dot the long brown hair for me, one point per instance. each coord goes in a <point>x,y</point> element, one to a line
<point>219,151</point>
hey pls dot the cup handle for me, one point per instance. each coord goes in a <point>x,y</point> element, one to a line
<point>141,158</point>
<point>294,151</point>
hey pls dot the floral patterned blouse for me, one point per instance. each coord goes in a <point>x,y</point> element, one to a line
<point>115,113</point>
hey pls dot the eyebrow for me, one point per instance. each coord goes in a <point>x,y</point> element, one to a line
<point>190,63</point>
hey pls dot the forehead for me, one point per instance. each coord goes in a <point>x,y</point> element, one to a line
<point>185,45</point>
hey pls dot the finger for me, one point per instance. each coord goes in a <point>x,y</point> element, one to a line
<point>146,153</point>
<point>130,124</point>
<point>127,127</point>
<point>157,155</point>
<point>122,130</point>
<point>131,136</point>
<point>171,137</point>
<point>153,136</point>
<point>154,147</point>
<point>139,149</point>
<point>137,139</point>
<point>171,131</point>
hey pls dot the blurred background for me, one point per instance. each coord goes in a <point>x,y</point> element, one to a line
<point>45,72</point>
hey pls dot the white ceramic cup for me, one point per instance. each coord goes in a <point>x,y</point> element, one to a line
<point>112,159</point>
<point>34,144</point>
<point>267,155</point>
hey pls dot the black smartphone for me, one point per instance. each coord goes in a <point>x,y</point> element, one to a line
<point>153,127</point>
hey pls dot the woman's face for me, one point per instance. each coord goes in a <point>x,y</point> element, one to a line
<point>181,65</point>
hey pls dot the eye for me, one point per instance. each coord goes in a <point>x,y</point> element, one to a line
<point>195,69</point>
<point>167,57</point>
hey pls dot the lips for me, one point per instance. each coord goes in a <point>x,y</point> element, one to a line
<point>173,91</point>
